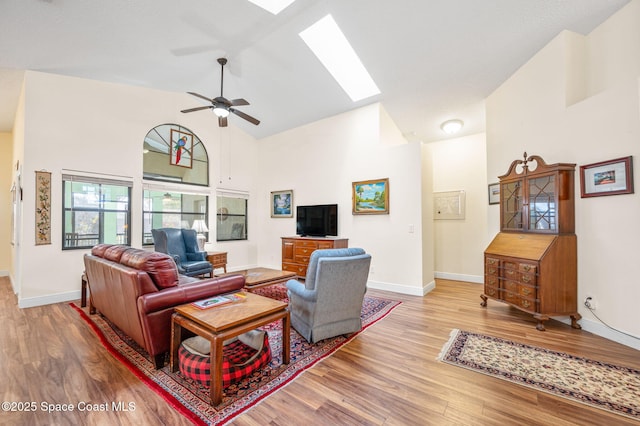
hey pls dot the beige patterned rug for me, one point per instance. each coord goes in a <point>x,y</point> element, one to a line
<point>606,386</point>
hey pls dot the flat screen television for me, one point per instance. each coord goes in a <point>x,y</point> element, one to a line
<point>317,221</point>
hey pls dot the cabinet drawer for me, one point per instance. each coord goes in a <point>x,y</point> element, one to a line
<point>301,259</point>
<point>528,304</point>
<point>491,291</point>
<point>303,251</point>
<point>510,266</point>
<point>528,268</point>
<point>325,244</point>
<point>511,286</point>
<point>492,281</point>
<point>528,279</point>
<point>301,270</point>
<point>527,291</point>
<point>301,243</point>
<point>491,270</point>
<point>218,258</point>
<point>492,261</point>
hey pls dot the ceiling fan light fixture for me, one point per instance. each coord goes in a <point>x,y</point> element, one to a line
<point>452,126</point>
<point>221,111</point>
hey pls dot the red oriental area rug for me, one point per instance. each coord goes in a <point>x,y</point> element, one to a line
<point>192,399</point>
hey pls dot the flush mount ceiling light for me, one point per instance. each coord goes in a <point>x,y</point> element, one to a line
<point>452,126</point>
<point>273,6</point>
<point>329,44</point>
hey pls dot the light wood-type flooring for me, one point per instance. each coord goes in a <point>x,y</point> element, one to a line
<point>388,375</point>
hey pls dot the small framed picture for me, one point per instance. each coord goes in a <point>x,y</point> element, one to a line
<point>494,193</point>
<point>611,177</point>
<point>282,203</point>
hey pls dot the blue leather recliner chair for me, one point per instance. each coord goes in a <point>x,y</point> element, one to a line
<point>182,246</point>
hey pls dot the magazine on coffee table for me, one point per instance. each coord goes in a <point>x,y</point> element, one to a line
<point>220,300</point>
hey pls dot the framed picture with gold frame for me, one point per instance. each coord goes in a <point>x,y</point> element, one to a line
<point>370,196</point>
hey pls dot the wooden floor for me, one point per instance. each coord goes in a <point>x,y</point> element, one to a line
<point>386,376</point>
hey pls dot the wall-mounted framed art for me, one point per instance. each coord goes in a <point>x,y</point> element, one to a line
<point>494,193</point>
<point>370,196</point>
<point>612,177</point>
<point>282,203</point>
<point>43,208</point>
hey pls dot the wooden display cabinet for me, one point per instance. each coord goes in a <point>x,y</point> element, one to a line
<point>296,251</point>
<point>532,263</point>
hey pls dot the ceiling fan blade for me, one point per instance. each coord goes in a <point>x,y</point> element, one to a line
<point>200,96</point>
<point>239,102</point>
<point>247,117</point>
<point>222,121</point>
<point>196,108</point>
<point>223,100</point>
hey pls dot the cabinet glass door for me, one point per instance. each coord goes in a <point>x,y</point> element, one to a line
<point>511,194</point>
<point>542,203</point>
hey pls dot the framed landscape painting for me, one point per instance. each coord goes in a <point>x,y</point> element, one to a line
<point>370,196</point>
<point>282,203</point>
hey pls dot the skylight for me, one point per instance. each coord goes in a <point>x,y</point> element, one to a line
<point>329,44</point>
<point>273,6</point>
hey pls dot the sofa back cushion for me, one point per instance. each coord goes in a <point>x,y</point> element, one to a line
<point>114,253</point>
<point>99,249</point>
<point>160,267</point>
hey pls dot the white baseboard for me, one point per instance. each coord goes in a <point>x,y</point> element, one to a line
<point>602,330</point>
<point>402,289</point>
<point>4,273</point>
<point>478,279</point>
<point>31,302</point>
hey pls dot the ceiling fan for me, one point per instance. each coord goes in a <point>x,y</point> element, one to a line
<point>222,106</point>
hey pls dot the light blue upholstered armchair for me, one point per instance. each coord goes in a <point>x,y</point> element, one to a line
<point>329,302</point>
<point>182,245</point>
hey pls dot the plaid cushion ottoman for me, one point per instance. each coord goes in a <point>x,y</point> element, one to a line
<point>240,357</point>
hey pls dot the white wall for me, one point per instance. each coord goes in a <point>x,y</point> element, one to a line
<point>539,110</point>
<point>320,161</point>
<point>6,203</point>
<point>90,126</point>
<point>460,164</point>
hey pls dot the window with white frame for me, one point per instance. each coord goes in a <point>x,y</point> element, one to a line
<point>95,210</point>
<point>172,209</point>
<point>231,216</point>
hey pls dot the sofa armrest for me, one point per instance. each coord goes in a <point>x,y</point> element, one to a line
<point>199,255</point>
<point>189,292</point>
<point>297,288</point>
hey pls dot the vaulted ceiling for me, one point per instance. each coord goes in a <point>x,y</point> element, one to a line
<point>432,60</point>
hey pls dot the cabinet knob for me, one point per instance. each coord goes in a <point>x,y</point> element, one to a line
<point>525,303</point>
<point>526,279</point>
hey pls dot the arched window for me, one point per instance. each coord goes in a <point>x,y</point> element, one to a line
<point>173,153</point>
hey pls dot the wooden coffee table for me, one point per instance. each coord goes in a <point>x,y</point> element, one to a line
<point>262,277</point>
<point>224,322</point>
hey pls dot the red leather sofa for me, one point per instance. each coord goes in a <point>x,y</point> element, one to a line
<point>137,290</point>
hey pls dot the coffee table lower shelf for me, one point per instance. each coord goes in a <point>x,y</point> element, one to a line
<point>221,323</point>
